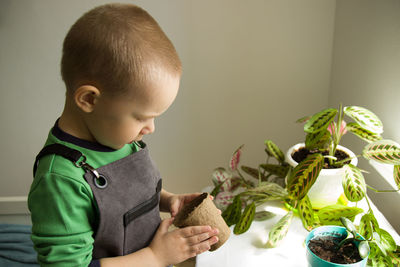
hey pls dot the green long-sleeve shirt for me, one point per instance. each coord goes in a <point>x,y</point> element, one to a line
<point>63,210</point>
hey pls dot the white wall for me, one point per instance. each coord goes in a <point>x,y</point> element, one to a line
<point>365,72</point>
<point>251,68</point>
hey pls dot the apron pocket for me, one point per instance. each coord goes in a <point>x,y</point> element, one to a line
<point>143,208</point>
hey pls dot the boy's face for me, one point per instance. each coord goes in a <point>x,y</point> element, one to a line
<point>117,121</point>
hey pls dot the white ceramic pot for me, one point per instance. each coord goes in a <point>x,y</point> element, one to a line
<point>328,187</point>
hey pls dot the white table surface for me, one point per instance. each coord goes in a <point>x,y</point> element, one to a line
<point>249,249</point>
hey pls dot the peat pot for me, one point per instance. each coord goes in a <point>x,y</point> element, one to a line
<point>202,211</point>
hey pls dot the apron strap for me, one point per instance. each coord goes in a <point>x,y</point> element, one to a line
<point>62,150</point>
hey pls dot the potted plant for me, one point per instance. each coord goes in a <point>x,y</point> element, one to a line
<point>238,196</point>
<point>329,246</point>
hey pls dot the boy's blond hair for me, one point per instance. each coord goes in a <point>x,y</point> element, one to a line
<point>116,47</point>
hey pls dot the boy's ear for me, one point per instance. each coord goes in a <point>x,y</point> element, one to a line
<point>85,97</point>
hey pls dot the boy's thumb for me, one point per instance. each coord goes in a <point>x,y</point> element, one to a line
<point>165,224</point>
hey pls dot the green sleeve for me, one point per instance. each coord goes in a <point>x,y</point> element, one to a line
<point>63,215</point>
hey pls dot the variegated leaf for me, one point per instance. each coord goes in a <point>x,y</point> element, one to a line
<point>274,150</point>
<point>245,220</point>
<point>381,260</point>
<point>320,121</point>
<point>278,170</point>
<point>365,227</point>
<point>233,164</point>
<point>330,215</point>
<point>223,199</point>
<point>280,229</point>
<point>366,118</point>
<point>363,133</point>
<point>353,183</point>
<point>384,151</point>
<point>306,213</point>
<point>396,175</point>
<point>317,140</point>
<point>304,176</point>
<point>220,175</point>
<point>387,240</point>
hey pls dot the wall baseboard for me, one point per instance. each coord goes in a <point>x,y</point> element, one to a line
<point>13,205</point>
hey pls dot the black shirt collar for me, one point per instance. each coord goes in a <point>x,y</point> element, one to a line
<point>66,137</point>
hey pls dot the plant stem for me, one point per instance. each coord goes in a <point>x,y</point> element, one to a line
<point>383,191</point>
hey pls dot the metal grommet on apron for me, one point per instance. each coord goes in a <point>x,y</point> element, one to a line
<point>127,192</point>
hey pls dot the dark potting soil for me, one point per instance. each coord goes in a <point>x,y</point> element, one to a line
<point>325,248</point>
<point>303,152</point>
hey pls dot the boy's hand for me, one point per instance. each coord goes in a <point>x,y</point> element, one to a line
<point>180,244</point>
<point>176,202</point>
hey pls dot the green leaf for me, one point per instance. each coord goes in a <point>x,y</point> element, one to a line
<point>306,213</point>
<point>396,175</point>
<point>365,226</point>
<point>366,118</point>
<point>353,183</point>
<point>245,220</point>
<point>363,133</point>
<point>349,225</point>
<point>278,170</point>
<point>304,176</point>
<point>263,215</point>
<point>317,140</point>
<point>233,212</point>
<point>363,249</point>
<point>377,241</point>
<point>387,240</point>
<point>385,151</point>
<point>320,121</point>
<point>280,229</point>
<point>381,260</point>
<point>267,191</point>
<point>252,172</point>
<point>274,150</point>
<point>330,215</point>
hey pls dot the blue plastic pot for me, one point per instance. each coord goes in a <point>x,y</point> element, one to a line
<point>337,231</point>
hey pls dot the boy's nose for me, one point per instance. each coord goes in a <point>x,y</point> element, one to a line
<point>149,127</point>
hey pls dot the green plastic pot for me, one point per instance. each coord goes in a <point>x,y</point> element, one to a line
<point>337,231</point>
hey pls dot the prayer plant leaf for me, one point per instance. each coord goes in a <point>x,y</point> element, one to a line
<point>306,213</point>
<point>304,176</point>
<point>275,169</point>
<point>274,150</point>
<point>245,220</point>
<point>279,230</point>
<point>320,121</point>
<point>235,159</point>
<point>233,212</point>
<point>384,151</point>
<point>317,140</point>
<point>263,215</point>
<point>330,215</point>
<point>396,175</point>
<point>364,117</point>
<point>365,226</point>
<point>363,133</point>
<point>353,183</point>
<point>387,240</point>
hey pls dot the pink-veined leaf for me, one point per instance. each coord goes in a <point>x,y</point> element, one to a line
<point>233,164</point>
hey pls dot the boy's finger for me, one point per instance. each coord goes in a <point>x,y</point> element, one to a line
<point>196,230</point>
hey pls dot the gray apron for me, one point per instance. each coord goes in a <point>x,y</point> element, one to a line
<point>127,193</point>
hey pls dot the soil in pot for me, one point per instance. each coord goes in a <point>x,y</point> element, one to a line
<point>303,152</point>
<point>326,248</point>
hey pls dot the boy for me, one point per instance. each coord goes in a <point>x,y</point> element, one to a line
<point>96,195</point>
